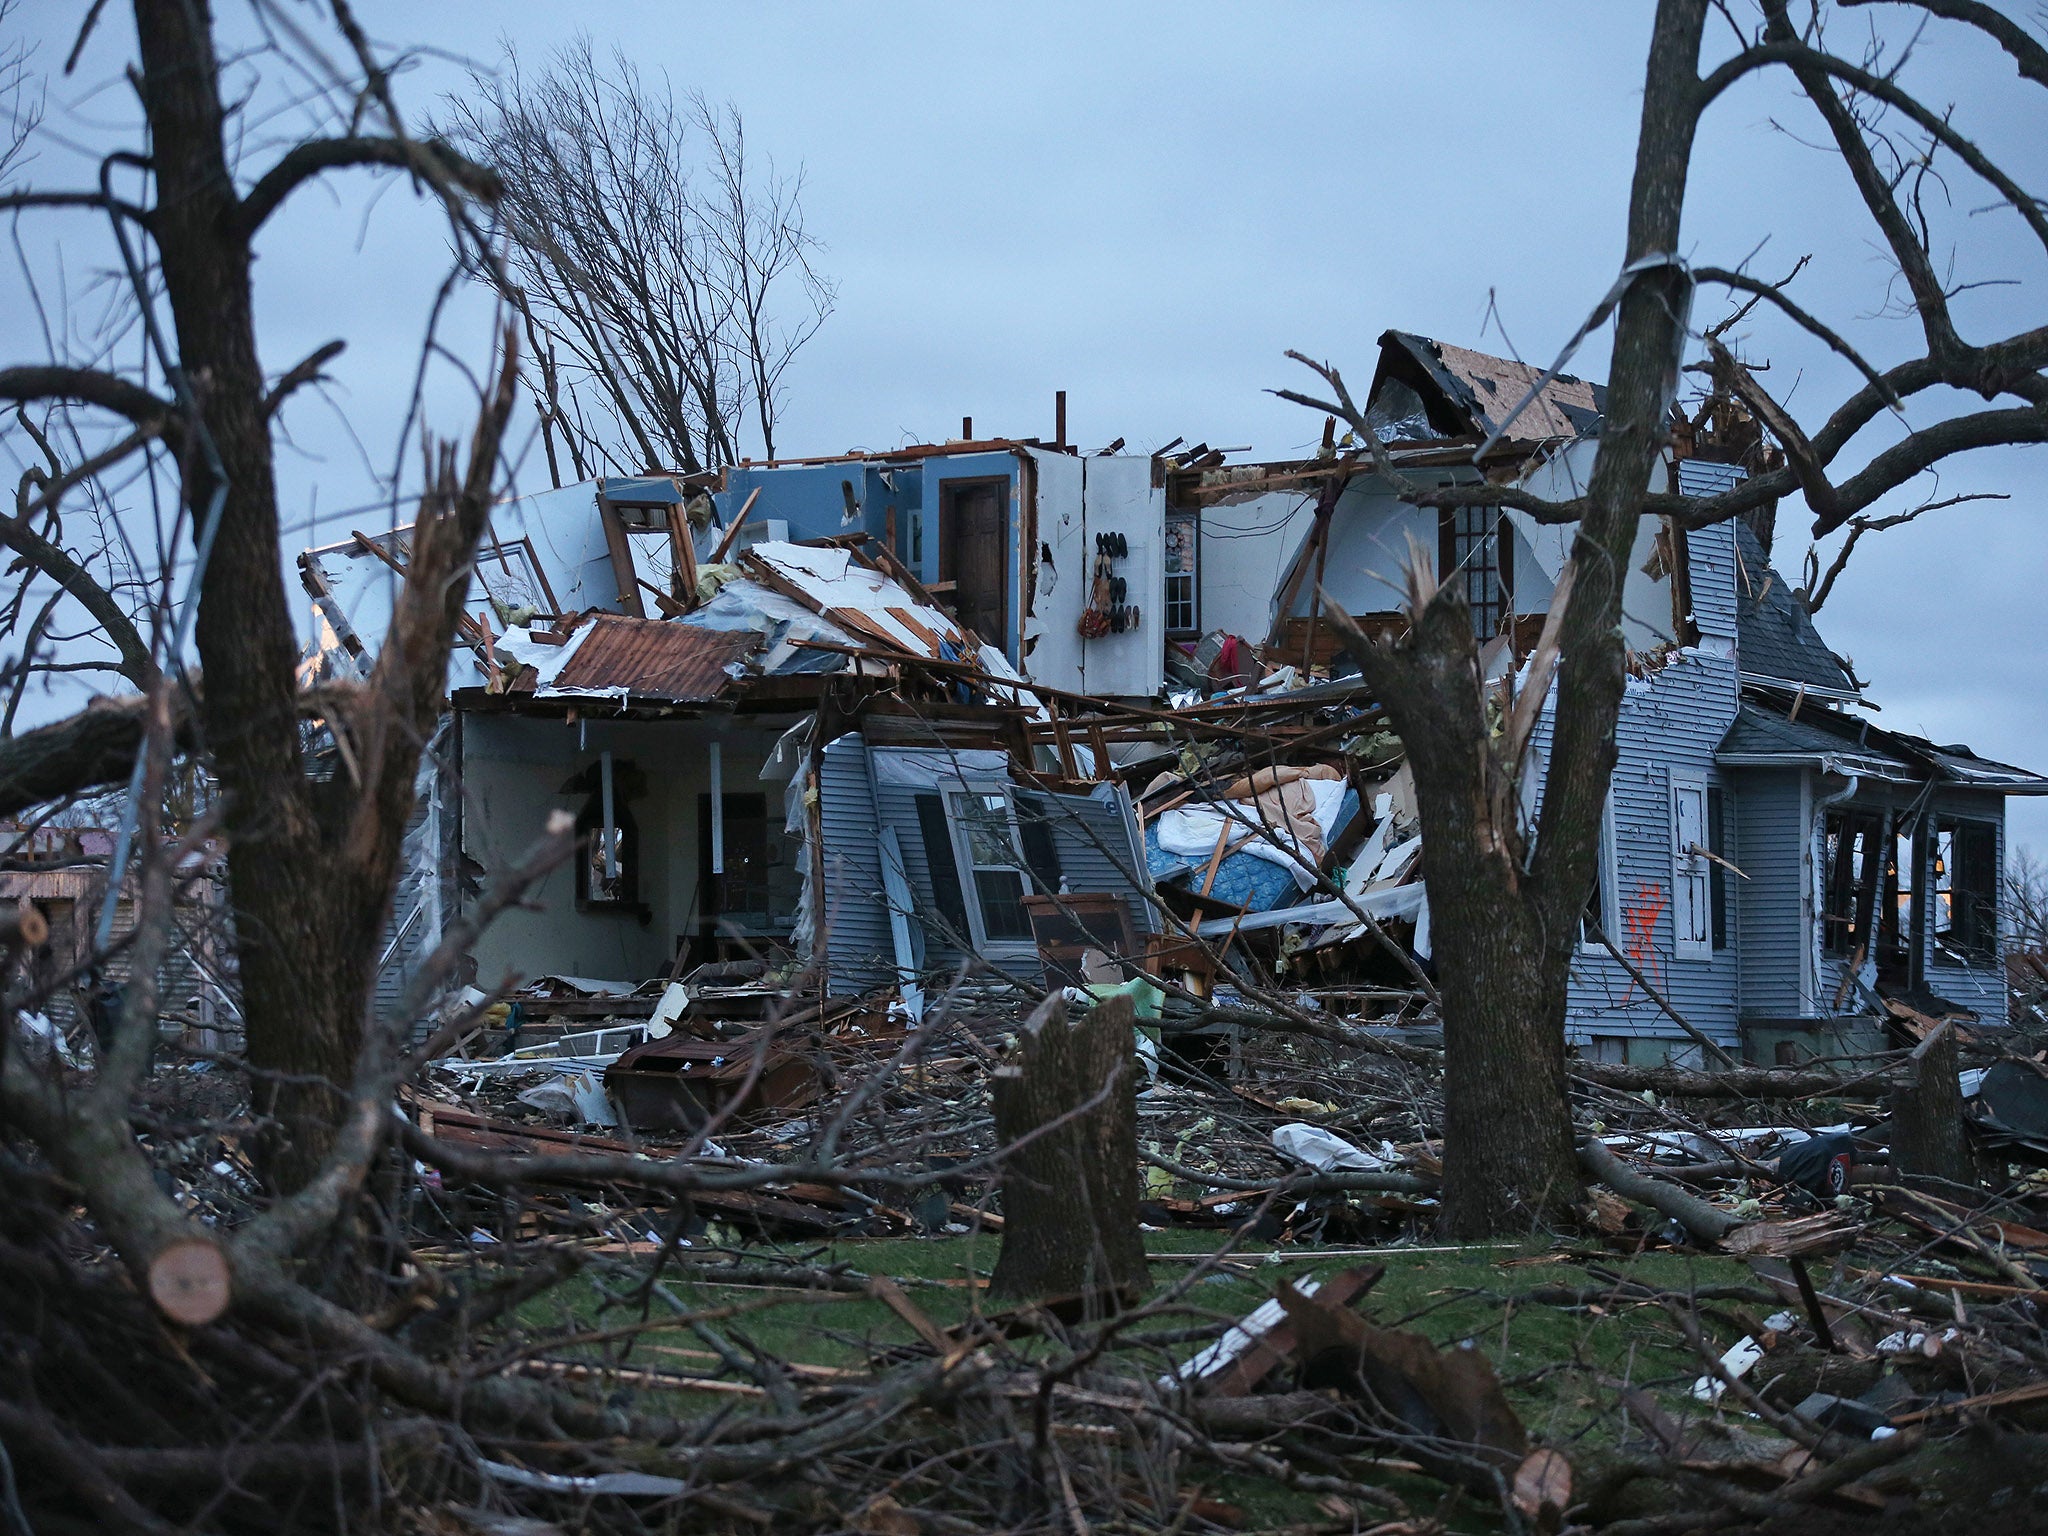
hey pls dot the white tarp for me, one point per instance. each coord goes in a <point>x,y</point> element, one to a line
<point>833,579</point>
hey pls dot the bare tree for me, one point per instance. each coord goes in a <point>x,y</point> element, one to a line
<point>1506,905</point>
<point>312,862</point>
<point>666,281</point>
<point>2026,900</point>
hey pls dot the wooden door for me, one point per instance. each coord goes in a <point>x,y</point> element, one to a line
<point>973,542</point>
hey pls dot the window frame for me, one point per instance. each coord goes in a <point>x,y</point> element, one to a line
<point>966,868</point>
<point>1943,869</point>
<point>1192,521</point>
<point>1453,563</point>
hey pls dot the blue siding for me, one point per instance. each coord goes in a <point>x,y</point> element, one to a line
<point>859,951</point>
<point>1669,727</point>
<point>1670,724</point>
<point>811,498</point>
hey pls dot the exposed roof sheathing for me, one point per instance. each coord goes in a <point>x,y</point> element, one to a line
<point>1484,389</point>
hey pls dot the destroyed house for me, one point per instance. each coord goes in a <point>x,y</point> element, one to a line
<point>1773,865</point>
<point>688,746</point>
<point>984,707</point>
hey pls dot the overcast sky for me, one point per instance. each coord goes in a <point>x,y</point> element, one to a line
<point>1147,204</point>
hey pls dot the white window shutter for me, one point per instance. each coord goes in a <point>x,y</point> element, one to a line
<point>1692,914</point>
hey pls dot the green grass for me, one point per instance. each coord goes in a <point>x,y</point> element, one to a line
<point>1559,1367</point>
<point>1548,1357</point>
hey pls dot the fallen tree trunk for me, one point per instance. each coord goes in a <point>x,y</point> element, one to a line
<point>89,750</point>
<point>1736,1083</point>
<point>1706,1222</point>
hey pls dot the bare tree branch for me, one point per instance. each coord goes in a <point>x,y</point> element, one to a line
<point>436,163</point>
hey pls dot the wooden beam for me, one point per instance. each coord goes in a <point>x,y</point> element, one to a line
<point>682,548</point>
<point>725,543</point>
<point>622,558</point>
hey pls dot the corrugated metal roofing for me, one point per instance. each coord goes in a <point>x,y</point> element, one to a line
<point>1486,388</point>
<point>656,659</point>
<point>1774,634</point>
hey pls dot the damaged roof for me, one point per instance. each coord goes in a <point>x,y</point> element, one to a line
<point>1763,736</point>
<point>1774,635</point>
<point>1479,390</point>
<point>655,659</point>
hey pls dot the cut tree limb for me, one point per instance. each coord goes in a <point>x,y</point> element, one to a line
<point>1704,1221</point>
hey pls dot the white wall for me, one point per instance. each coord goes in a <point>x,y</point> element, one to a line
<point>513,771</point>
<point>1118,496</point>
<point>1052,646</point>
<point>1645,603</point>
<point>1247,545</point>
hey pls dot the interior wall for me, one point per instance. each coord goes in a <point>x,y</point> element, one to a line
<point>513,772</point>
<point>1246,547</point>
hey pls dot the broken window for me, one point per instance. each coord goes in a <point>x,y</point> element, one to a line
<point>1895,906</point>
<point>1964,881</point>
<point>1852,857</point>
<point>1183,551</point>
<point>985,837</point>
<point>987,849</point>
<point>1476,549</point>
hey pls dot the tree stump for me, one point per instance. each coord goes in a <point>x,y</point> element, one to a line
<point>1927,1114</point>
<point>1070,1193</point>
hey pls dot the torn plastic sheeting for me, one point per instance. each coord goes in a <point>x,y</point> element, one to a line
<point>929,767</point>
<point>744,604</point>
<point>1327,1152</point>
<point>578,1096</point>
<point>1401,901</point>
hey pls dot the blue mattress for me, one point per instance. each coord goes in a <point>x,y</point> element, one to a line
<point>1242,879</point>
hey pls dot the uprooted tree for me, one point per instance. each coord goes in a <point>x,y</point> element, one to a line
<point>1505,903</point>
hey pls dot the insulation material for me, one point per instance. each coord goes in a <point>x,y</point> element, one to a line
<point>782,622</point>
